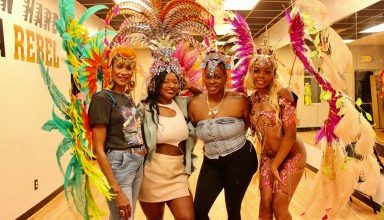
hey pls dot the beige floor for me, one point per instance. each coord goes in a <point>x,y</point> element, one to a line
<point>58,209</point>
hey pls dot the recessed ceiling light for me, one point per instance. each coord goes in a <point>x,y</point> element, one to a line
<point>347,41</point>
<point>374,29</point>
<point>239,4</point>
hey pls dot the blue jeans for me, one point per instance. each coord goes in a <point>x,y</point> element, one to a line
<point>128,170</point>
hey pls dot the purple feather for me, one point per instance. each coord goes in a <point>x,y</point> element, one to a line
<point>296,33</point>
<point>244,48</point>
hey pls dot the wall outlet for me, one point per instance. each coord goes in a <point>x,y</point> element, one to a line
<point>36,184</point>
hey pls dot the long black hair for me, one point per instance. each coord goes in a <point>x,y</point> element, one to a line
<point>153,92</point>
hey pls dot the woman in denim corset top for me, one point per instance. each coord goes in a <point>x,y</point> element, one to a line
<point>221,119</point>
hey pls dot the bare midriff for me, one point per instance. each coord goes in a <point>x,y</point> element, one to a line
<point>169,149</point>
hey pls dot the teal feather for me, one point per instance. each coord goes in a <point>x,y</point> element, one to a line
<point>49,126</point>
<point>67,177</point>
<point>66,9</point>
<point>73,184</point>
<point>62,125</point>
<point>57,97</point>
<point>60,26</point>
<point>77,183</point>
<point>64,146</point>
<point>61,8</point>
<point>90,11</point>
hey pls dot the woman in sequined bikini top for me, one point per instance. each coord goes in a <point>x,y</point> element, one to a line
<point>273,122</point>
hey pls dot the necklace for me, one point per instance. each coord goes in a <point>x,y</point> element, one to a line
<point>214,110</point>
<point>256,98</point>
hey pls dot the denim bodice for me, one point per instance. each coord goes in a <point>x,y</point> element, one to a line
<point>221,136</point>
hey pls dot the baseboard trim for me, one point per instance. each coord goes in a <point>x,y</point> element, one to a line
<point>308,129</point>
<point>312,168</point>
<point>41,204</point>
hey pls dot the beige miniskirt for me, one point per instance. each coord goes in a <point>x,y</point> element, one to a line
<point>164,179</point>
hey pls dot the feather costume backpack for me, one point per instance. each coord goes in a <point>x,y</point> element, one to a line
<point>339,173</point>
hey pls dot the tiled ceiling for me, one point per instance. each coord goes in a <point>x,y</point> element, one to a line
<point>268,12</point>
<point>265,14</point>
<point>350,27</point>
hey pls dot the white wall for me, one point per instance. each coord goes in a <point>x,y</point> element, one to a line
<point>375,51</point>
<point>309,116</point>
<point>144,60</point>
<point>27,152</point>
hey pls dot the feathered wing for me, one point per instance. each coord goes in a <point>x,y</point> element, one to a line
<point>339,63</point>
<point>87,68</point>
<point>244,48</point>
<point>339,173</point>
<point>190,60</point>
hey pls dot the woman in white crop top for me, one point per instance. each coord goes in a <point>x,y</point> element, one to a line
<point>172,130</point>
<point>167,137</point>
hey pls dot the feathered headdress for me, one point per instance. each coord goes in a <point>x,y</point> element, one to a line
<point>246,52</point>
<point>148,21</point>
<point>168,31</point>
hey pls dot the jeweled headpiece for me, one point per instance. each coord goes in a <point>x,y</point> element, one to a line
<point>264,54</point>
<point>213,58</point>
<point>164,62</point>
<point>123,54</point>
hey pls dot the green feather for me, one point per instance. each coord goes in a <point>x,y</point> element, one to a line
<point>57,96</point>
<point>74,182</point>
<point>62,125</point>
<point>60,26</point>
<point>49,126</point>
<point>90,11</point>
<point>64,146</point>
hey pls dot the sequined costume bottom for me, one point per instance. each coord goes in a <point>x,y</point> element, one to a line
<point>286,168</point>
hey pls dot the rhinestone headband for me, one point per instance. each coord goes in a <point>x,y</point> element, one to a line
<point>164,62</point>
<point>265,55</point>
<point>213,58</point>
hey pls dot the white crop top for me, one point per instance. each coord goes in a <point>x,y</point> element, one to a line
<point>172,130</point>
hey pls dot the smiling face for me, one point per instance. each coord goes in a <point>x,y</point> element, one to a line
<point>215,80</point>
<point>262,76</point>
<point>169,88</point>
<point>122,72</point>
